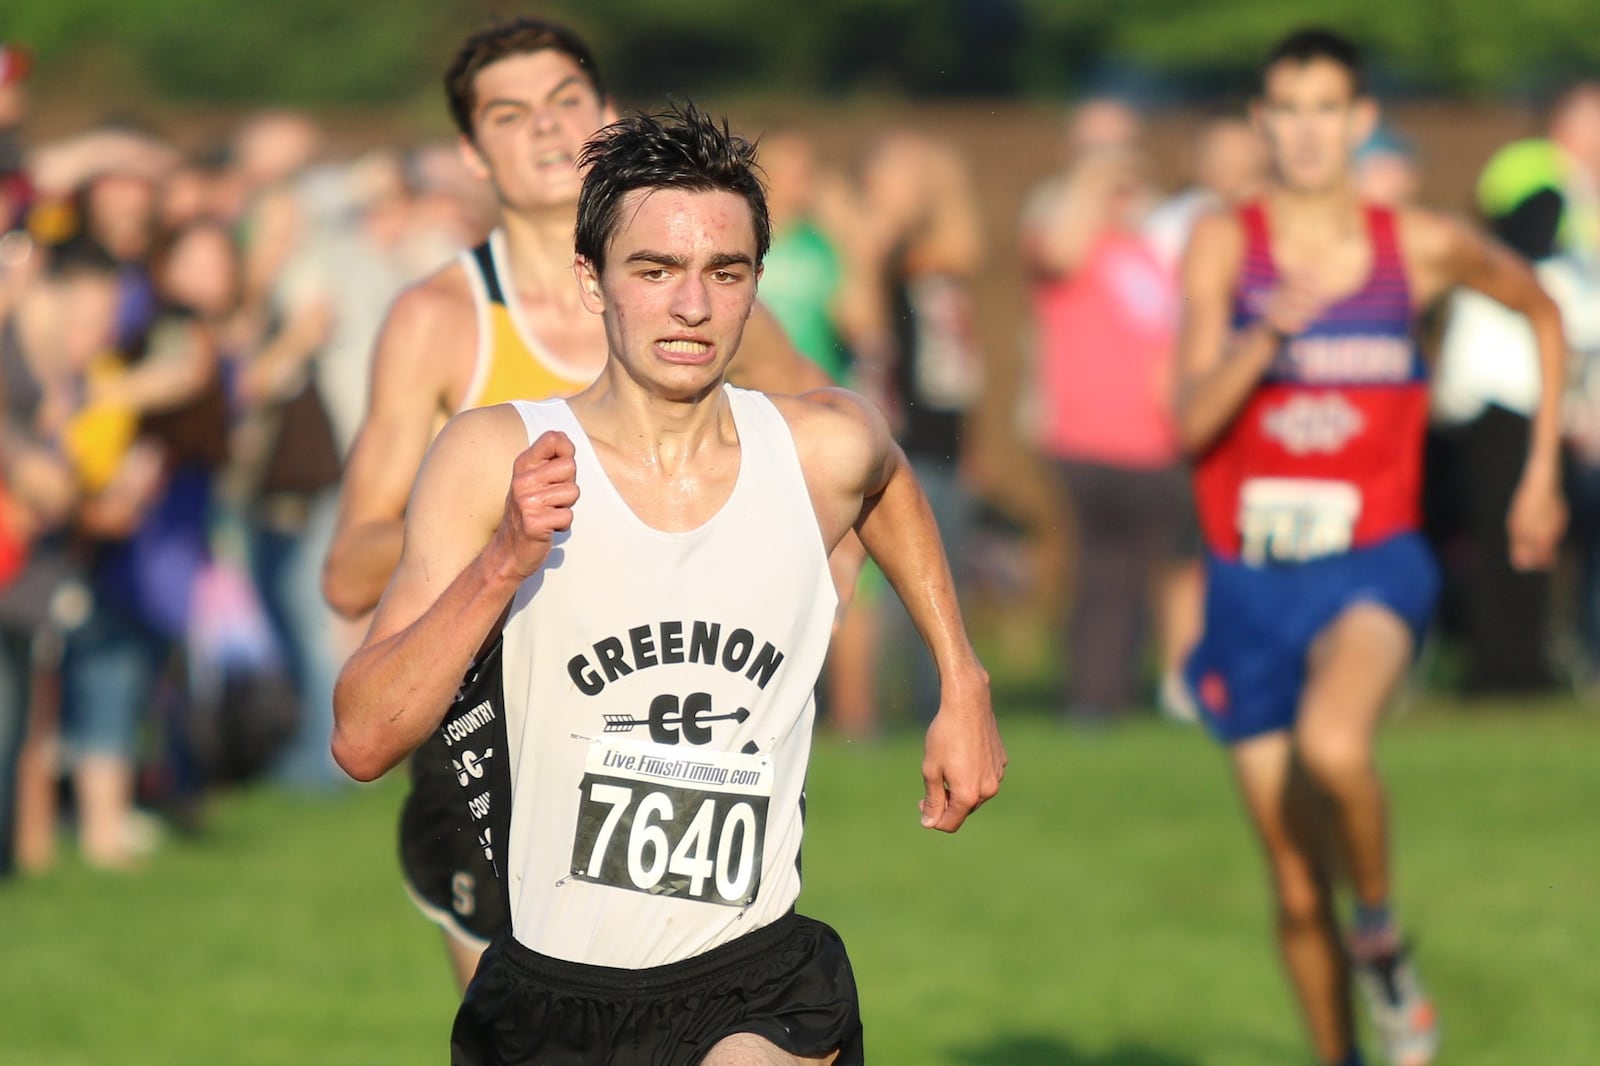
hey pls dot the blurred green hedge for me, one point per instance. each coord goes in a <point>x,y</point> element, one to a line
<point>343,51</point>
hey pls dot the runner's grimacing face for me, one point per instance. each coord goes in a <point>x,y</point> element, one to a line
<point>532,114</point>
<point>1313,122</point>
<point>678,285</point>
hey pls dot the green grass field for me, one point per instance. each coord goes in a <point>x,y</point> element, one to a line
<point>1107,910</point>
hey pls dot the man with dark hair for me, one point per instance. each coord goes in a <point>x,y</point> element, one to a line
<point>1305,399</point>
<point>505,40</point>
<point>1318,44</point>
<point>658,566</point>
<point>502,322</point>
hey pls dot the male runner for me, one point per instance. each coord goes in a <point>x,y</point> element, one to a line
<point>658,565</point>
<point>1305,398</point>
<point>502,322</point>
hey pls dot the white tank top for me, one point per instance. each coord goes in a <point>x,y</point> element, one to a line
<point>659,708</point>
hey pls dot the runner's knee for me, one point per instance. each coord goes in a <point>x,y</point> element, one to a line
<point>1301,894</point>
<point>1302,903</point>
<point>1334,757</point>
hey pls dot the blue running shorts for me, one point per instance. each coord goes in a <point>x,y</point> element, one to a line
<point>1260,622</point>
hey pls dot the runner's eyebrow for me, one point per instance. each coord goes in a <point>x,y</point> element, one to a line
<point>502,101</point>
<point>566,83</point>
<point>667,259</point>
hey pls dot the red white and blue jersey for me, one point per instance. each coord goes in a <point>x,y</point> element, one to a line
<point>1326,454</point>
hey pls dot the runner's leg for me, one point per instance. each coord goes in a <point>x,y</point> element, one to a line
<point>463,958</point>
<point>747,1049</point>
<point>1356,665</point>
<point>1283,808</point>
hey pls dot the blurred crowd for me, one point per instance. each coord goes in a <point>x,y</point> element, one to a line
<point>183,361</point>
<point>184,345</point>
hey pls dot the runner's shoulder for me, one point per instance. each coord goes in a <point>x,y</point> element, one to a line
<point>1427,230</point>
<point>1218,229</point>
<point>481,440</point>
<point>825,409</point>
<point>830,425</point>
<point>1214,250</point>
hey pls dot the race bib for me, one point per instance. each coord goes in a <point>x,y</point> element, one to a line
<point>1291,520</point>
<point>673,822</point>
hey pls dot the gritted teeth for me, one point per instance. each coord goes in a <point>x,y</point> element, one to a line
<point>684,347</point>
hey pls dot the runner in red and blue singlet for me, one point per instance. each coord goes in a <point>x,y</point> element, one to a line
<point>1303,398</point>
<point>1322,469</point>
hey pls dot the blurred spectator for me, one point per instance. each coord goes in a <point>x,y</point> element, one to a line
<point>1560,230</point>
<point>16,190</point>
<point>925,246</point>
<point>803,273</point>
<point>56,321</point>
<point>272,153</point>
<point>63,168</point>
<point>287,473</point>
<point>1540,197</point>
<point>147,441</point>
<point>805,282</point>
<point>355,267</point>
<point>205,187</point>
<point>284,466</point>
<point>451,204</point>
<point>1105,317</point>
<point>1229,166</point>
<point>1387,170</point>
<point>118,212</point>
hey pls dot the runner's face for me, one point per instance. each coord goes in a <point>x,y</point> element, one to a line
<point>677,289</point>
<point>1313,122</point>
<point>532,114</point>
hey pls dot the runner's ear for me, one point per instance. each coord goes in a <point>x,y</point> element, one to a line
<point>471,158</point>
<point>588,284</point>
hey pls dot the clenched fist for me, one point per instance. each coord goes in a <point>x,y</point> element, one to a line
<point>1294,304</point>
<point>544,486</point>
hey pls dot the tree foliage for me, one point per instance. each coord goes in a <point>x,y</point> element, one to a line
<point>332,51</point>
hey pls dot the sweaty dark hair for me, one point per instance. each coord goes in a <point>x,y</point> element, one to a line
<point>1305,45</point>
<point>681,148</point>
<point>518,36</point>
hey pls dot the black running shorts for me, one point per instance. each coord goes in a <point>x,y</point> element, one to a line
<point>447,874</point>
<point>789,983</point>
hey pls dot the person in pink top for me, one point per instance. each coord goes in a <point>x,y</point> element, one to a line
<point>1105,317</point>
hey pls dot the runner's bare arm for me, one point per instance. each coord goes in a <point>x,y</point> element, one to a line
<point>1218,369</point>
<point>482,518</point>
<point>407,400</point>
<point>1215,377</point>
<point>860,479</point>
<point>768,362</point>
<point>1444,252</point>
